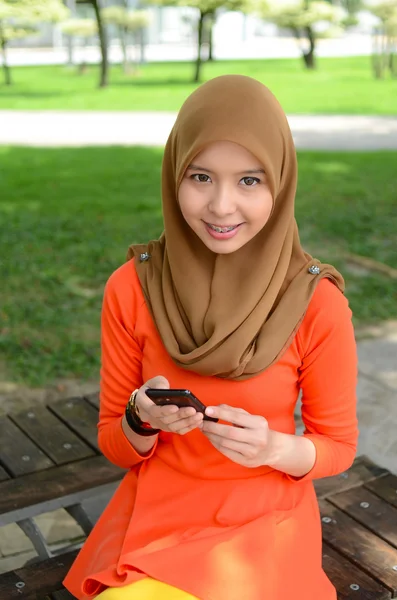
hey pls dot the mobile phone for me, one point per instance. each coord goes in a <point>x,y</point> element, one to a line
<point>180,398</point>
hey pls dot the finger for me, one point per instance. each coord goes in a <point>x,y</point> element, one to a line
<point>236,416</point>
<point>227,431</point>
<point>167,415</point>
<point>236,457</point>
<point>185,425</point>
<point>159,382</point>
<point>221,443</point>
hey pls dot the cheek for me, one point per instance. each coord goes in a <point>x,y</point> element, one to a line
<point>261,210</point>
<point>190,201</point>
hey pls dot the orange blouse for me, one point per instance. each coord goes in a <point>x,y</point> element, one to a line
<point>187,515</point>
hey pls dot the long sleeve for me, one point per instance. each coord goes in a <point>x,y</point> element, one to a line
<point>328,378</point>
<point>121,370</point>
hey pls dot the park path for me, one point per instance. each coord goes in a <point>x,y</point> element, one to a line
<point>99,128</point>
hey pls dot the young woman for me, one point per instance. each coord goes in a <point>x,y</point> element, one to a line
<point>227,304</point>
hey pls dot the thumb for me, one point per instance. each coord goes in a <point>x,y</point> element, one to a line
<point>159,382</point>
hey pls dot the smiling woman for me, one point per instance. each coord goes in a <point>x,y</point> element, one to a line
<point>227,202</point>
<point>227,304</point>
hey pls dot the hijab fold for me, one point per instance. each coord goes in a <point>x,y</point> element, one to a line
<point>229,315</point>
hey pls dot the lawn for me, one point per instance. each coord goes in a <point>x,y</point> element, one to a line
<point>340,85</point>
<point>68,215</point>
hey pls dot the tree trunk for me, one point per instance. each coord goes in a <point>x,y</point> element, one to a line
<point>124,45</point>
<point>309,57</point>
<point>103,82</point>
<point>211,37</point>
<point>71,4</point>
<point>199,44</point>
<point>6,68</point>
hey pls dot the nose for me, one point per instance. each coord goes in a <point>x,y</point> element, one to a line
<point>222,202</point>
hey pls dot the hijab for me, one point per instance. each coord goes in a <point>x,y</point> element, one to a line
<point>229,315</point>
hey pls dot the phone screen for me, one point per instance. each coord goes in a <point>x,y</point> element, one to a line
<point>180,398</point>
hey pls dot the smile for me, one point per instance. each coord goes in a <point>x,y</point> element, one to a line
<point>222,229</point>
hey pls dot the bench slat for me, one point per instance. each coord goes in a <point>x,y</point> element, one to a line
<point>80,416</point>
<point>344,574</point>
<point>52,435</point>
<point>3,474</point>
<point>93,399</point>
<point>54,483</point>
<point>379,516</point>
<point>385,487</point>
<point>62,595</point>
<point>358,544</point>
<point>36,580</point>
<point>18,453</point>
<point>361,471</point>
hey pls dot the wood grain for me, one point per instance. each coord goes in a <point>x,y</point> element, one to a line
<point>362,471</point>
<point>18,453</point>
<point>358,544</point>
<point>344,574</point>
<point>385,487</point>
<point>36,580</point>
<point>52,435</point>
<point>80,416</point>
<point>3,474</point>
<point>375,513</point>
<point>57,482</point>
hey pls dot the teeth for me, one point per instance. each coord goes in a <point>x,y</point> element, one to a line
<point>222,229</point>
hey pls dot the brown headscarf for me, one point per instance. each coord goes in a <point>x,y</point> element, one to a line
<point>230,315</point>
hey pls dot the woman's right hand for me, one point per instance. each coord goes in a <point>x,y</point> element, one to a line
<point>168,418</point>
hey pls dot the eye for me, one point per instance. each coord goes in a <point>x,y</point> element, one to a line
<point>250,181</point>
<point>201,177</point>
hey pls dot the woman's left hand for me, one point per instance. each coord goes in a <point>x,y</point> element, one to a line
<point>248,443</point>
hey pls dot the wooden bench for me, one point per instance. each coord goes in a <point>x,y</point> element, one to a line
<point>50,459</point>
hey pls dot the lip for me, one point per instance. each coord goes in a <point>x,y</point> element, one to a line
<point>222,236</point>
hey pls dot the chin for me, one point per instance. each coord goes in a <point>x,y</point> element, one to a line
<point>223,247</point>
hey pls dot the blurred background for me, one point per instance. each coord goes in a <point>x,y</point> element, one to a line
<point>88,94</point>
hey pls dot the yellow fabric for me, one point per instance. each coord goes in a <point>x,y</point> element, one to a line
<point>145,589</point>
<point>230,315</point>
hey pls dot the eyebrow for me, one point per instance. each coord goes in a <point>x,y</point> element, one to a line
<point>250,171</point>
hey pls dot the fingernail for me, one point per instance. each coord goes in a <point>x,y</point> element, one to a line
<point>209,411</point>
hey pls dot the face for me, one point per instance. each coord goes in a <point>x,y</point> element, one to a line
<point>224,196</point>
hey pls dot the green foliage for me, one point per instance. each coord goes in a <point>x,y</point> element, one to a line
<point>205,6</point>
<point>131,20</point>
<point>19,18</point>
<point>300,15</point>
<point>83,28</point>
<point>67,220</point>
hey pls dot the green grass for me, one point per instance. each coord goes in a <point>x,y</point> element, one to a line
<point>68,215</point>
<point>339,85</point>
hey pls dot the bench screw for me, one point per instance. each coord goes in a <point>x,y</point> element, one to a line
<point>354,587</point>
<point>31,415</point>
<point>326,519</point>
<point>20,585</point>
<point>67,446</point>
<point>364,505</point>
<point>25,457</point>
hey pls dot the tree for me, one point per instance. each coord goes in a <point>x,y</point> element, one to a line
<point>20,18</point>
<point>206,10</point>
<point>385,38</point>
<point>103,42</point>
<point>83,29</point>
<point>307,20</point>
<point>129,23</point>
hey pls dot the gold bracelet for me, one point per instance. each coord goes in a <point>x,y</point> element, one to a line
<point>132,405</point>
